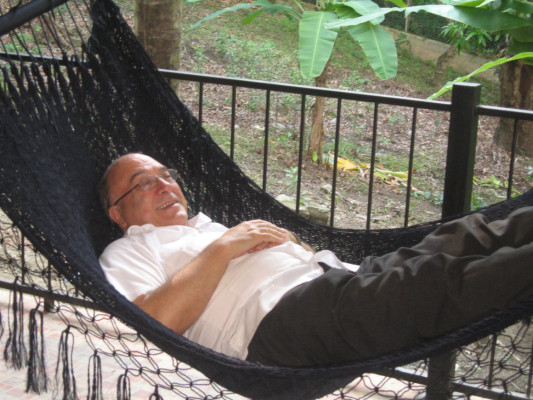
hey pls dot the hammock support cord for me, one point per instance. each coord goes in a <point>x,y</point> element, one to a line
<point>62,125</point>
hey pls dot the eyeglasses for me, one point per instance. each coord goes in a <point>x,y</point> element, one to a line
<point>148,182</point>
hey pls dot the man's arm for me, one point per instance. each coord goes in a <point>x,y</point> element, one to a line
<point>180,301</point>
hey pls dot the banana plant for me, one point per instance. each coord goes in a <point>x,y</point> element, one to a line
<point>316,42</point>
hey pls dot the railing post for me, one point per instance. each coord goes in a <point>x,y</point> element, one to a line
<point>461,149</point>
<point>457,198</point>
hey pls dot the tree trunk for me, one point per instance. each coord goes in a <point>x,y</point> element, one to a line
<point>407,18</point>
<point>516,90</point>
<point>317,126</point>
<point>158,27</point>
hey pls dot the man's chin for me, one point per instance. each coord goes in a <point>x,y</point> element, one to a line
<point>180,218</point>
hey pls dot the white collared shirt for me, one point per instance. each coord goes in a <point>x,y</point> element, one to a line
<point>147,256</point>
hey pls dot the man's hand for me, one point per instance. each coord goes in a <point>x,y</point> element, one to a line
<point>251,236</point>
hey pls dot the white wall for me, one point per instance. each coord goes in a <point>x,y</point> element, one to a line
<point>430,50</point>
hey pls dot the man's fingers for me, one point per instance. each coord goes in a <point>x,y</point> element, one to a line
<point>255,235</point>
<point>268,229</point>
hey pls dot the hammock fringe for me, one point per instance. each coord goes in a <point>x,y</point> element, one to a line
<point>156,395</point>
<point>64,376</point>
<point>37,379</point>
<point>94,378</point>
<point>15,353</point>
<point>123,387</point>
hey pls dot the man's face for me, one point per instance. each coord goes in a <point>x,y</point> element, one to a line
<point>162,205</point>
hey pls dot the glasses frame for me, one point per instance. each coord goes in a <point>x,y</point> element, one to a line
<point>151,183</point>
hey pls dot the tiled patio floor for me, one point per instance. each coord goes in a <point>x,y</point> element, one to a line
<point>13,382</point>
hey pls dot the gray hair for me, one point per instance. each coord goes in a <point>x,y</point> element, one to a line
<point>103,187</point>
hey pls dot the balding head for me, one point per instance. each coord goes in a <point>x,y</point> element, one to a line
<point>137,190</point>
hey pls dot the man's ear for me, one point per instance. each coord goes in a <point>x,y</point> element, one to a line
<point>116,216</point>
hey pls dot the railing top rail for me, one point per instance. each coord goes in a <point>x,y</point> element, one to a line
<point>273,86</point>
<point>485,110</point>
<point>502,112</point>
<point>309,90</point>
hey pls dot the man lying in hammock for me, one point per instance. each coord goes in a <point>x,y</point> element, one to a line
<point>253,292</point>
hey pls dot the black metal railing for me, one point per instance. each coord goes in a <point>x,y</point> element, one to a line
<point>309,91</point>
<point>464,110</point>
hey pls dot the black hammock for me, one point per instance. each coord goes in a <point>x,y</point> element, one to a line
<point>62,122</point>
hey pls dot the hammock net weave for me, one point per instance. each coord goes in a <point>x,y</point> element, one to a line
<point>76,91</point>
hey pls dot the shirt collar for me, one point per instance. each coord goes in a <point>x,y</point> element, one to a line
<point>195,222</point>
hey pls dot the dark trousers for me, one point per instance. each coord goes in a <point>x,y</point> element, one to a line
<point>460,273</point>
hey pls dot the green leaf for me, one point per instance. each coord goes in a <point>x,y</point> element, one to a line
<point>522,34</point>
<point>484,4</point>
<point>398,3</point>
<point>488,20</point>
<point>521,7</point>
<point>316,42</point>
<point>266,5</point>
<point>466,3</point>
<point>361,7</point>
<point>250,17</point>
<point>484,67</point>
<point>278,8</point>
<point>379,48</point>
<point>378,44</point>
<point>364,18</point>
<point>240,6</point>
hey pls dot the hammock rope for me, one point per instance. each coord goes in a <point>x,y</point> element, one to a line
<point>63,121</point>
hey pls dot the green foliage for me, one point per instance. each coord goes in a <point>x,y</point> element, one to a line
<point>448,86</point>
<point>491,182</point>
<point>422,24</point>
<point>355,81</point>
<point>465,38</point>
<point>256,8</point>
<point>347,147</point>
<point>292,174</point>
<point>434,198</point>
<point>478,202</point>
<point>529,173</point>
<point>490,20</point>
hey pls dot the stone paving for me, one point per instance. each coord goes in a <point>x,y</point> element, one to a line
<point>13,382</point>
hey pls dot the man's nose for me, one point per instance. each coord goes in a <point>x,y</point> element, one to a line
<point>162,184</point>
